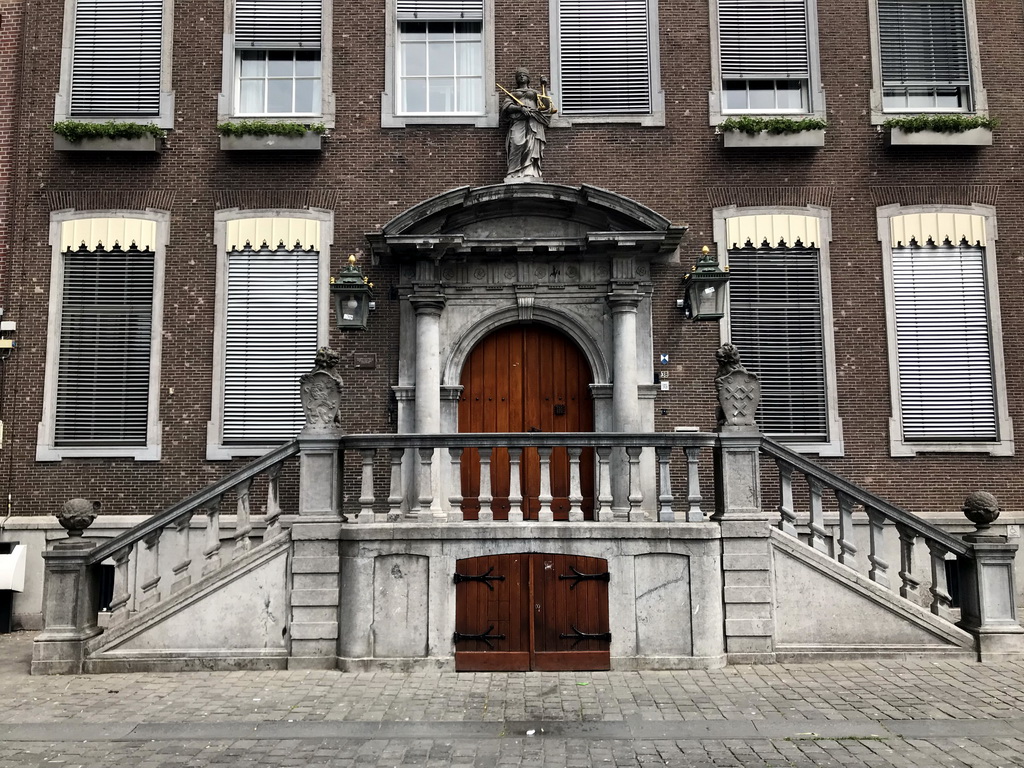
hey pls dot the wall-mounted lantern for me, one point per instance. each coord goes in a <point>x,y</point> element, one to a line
<point>353,297</point>
<point>705,289</point>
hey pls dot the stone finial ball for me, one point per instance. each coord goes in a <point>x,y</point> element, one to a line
<point>981,508</point>
<point>77,515</point>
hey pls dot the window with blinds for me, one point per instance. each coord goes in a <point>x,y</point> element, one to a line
<point>946,379</point>
<point>764,54</point>
<point>924,54</point>
<point>117,58</point>
<point>270,339</point>
<point>106,339</point>
<point>775,319</point>
<point>278,57</point>
<point>604,57</point>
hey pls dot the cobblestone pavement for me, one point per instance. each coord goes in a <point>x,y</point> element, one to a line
<point>892,713</point>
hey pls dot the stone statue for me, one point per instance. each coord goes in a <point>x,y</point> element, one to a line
<point>739,391</point>
<point>528,113</point>
<point>321,393</point>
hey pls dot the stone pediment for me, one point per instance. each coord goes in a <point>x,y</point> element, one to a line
<point>527,218</point>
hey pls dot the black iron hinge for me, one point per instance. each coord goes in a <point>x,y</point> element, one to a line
<point>578,577</point>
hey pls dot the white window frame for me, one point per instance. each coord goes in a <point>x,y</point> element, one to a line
<point>216,450</point>
<point>1004,425</point>
<point>979,98</point>
<point>815,94</point>
<point>654,118</point>
<point>227,100</point>
<point>62,100</point>
<point>46,448</point>
<point>834,445</point>
<point>390,112</point>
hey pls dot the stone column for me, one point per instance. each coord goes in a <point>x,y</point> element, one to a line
<point>69,610</point>
<point>625,400</point>
<point>428,309</point>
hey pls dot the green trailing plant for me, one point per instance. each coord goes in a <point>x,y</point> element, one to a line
<point>941,123</point>
<point>267,128</point>
<point>75,131</point>
<point>772,125</point>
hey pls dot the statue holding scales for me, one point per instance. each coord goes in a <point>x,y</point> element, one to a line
<point>529,114</point>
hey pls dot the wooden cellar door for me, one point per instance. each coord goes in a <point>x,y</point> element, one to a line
<point>531,612</point>
<point>526,378</point>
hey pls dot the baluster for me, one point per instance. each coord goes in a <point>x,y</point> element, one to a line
<point>665,512</point>
<point>486,514</point>
<point>272,520</point>
<point>151,580</point>
<point>429,502</point>
<point>694,514</point>
<point>819,536</point>
<point>182,527</point>
<point>787,517</point>
<point>243,523</point>
<point>908,583</point>
<point>119,605</point>
<point>847,549</point>
<point>604,484</point>
<point>366,492</point>
<point>879,572</point>
<point>515,493</point>
<point>455,497</point>
<point>636,495</point>
<point>575,488</point>
<point>395,497</point>
<point>545,515</point>
<point>211,552</point>
<point>941,599</point>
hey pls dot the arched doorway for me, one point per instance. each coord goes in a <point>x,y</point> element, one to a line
<point>526,378</point>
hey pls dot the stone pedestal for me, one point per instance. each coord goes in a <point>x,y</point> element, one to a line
<point>987,598</point>
<point>70,609</point>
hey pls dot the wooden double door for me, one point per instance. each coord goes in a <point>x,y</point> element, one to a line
<point>526,378</point>
<point>531,612</point>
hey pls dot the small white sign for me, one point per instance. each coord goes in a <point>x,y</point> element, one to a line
<point>664,386</point>
<point>664,359</point>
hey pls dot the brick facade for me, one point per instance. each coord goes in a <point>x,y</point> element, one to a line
<point>367,175</point>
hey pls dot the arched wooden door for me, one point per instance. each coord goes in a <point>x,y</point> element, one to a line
<point>526,378</point>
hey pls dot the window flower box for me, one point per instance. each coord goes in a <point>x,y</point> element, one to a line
<point>767,140</point>
<point>147,143</point>
<point>309,142</point>
<point>974,137</point>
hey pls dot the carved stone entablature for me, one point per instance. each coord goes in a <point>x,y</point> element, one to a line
<point>739,391</point>
<point>527,222</point>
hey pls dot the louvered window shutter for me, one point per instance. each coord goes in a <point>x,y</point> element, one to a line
<point>776,323</point>
<point>605,57</point>
<point>440,10</point>
<point>923,42</point>
<point>105,347</point>
<point>271,340</point>
<point>947,389</point>
<point>763,40</point>
<point>283,24</point>
<point>116,60</point>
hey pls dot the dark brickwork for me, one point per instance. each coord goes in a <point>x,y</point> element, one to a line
<point>10,49</point>
<point>367,175</point>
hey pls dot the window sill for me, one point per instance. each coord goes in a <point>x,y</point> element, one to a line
<point>765,140</point>
<point>310,142</point>
<point>145,143</point>
<point>976,137</point>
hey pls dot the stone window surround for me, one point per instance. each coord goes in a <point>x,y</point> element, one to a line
<point>656,117</point>
<point>815,94</point>
<point>897,446</point>
<point>46,450</point>
<point>388,97</point>
<point>215,448</point>
<point>979,98</point>
<point>229,76</point>
<point>62,101</point>
<point>834,446</point>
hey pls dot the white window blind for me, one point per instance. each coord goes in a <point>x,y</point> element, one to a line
<point>605,57</point>
<point>763,39</point>
<point>440,10</point>
<point>270,341</point>
<point>278,23</point>
<point>947,389</point>
<point>923,43</point>
<point>105,347</point>
<point>776,323</point>
<point>116,60</point>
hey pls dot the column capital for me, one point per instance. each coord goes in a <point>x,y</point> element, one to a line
<point>624,301</point>
<point>428,303</point>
